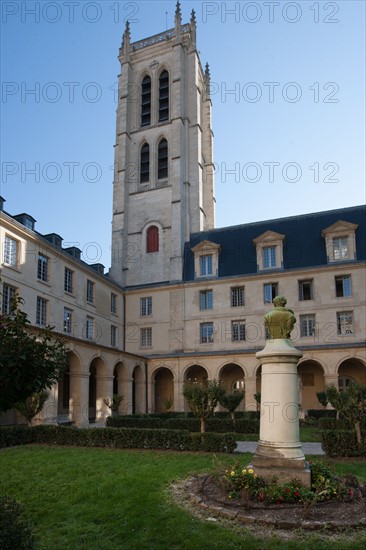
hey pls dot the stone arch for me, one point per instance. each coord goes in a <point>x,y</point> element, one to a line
<point>68,391</point>
<point>163,380</point>
<point>97,389</point>
<point>196,374</point>
<point>120,381</point>
<point>311,380</point>
<point>351,368</point>
<point>138,391</point>
<point>232,376</point>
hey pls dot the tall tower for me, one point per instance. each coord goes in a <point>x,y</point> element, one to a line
<point>163,178</point>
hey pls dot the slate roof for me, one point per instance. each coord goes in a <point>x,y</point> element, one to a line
<point>303,246</point>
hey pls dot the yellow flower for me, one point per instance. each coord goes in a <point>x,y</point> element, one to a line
<point>255,475</point>
<point>244,472</point>
<point>232,473</point>
<point>250,470</point>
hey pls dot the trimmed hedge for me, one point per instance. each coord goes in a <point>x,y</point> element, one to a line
<point>214,424</point>
<point>334,424</point>
<point>341,443</point>
<point>322,413</point>
<point>118,438</point>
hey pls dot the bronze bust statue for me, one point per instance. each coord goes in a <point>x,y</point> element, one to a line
<point>280,321</point>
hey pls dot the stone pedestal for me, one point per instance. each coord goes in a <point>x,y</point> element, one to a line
<point>279,451</point>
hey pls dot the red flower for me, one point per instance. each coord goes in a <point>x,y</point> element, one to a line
<point>261,497</point>
<point>296,494</point>
<point>288,490</point>
<point>350,492</point>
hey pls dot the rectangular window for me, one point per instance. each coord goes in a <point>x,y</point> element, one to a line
<point>68,284</point>
<point>11,250</point>
<point>237,296</point>
<point>206,265</point>
<point>269,257</point>
<point>113,303</point>
<point>145,306</point>
<point>345,323</point>
<point>113,335</point>
<point>206,333</point>
<point>343,286</point>
<point>206,299</point>
<point>67,321</point>
<point>237,331</point>
<point>90,291</point>
<point>305,290</point>
<point>8,294</point>
<point>146,337</point>
<point>41,314</point>
<point>340,248</point>
<point>90,328</point>
<point>42,268</point>
<point>270,292</point>
<point>307,325</point>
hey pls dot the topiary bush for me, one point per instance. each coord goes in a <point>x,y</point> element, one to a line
<point>341,443</point>
<point>15,530</point>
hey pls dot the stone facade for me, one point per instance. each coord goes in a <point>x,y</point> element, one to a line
<point>189,300</point>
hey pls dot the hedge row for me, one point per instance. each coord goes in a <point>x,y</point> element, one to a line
<point>217,425</point>
<point>321,413</point>
<point>119,438</point>
<point>245,415</point>
<point>341,443</point>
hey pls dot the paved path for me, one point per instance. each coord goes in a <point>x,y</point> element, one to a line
<point>308,448</point>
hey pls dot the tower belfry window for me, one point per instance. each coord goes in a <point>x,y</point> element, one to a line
<point>146,101</point>
<point>164,96</point>
<point>163,159</point>
<point>145,163</point>
<point>152,239</point>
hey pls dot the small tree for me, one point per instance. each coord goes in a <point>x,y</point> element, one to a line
<point>257,397</point>
<point>30,361</point>
<point>32,405</point>
<point>203,399</point>
<point>231,401</point>
<point>350,404</point>
<point>168,404</point>
<point>114,402</point>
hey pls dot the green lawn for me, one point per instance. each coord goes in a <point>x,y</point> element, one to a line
<point>96,499</point>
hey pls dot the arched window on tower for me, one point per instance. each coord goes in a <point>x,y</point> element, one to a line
<point>163,159</point>
<point>152,239</point>
<point>145,163</point>
<point>164,96</point>
<point>146,101</point>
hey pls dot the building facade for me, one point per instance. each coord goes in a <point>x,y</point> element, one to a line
<point>183,300</point>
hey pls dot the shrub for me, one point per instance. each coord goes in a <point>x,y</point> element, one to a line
<point>203,398</point>
<point>341,443</point>
<point>321,413</point>
<point>119,438</point>
<point>15,530</point>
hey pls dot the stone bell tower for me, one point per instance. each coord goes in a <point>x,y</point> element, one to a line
<point>163,168</point>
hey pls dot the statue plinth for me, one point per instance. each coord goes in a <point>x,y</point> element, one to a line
<point>279,452</point>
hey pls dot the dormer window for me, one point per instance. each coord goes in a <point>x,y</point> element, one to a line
<point>206,259</point>
<point>269,247</point>
<point>340,241</point>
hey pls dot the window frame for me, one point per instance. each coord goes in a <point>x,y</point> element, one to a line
<point>8,294</point>
<point>269,257</point>
<point>41,312</point>
<point>273,294</point>
<point>152,239</point>
<point>163,100</point>
<point>205,265</point>
<point>68,316</point>
<point>11,252</point>
<point>113,339</point>
<point>303,282</point>
<point>90,291</point>
<point>239,299</point>
<point>343,290</point>
<point>163,156</point>
<point>240,336</point>
<point>68,280</point>
<point>42,267</point>
<point>145,101</point>
<point>343,323</point>
<point>89,328</point>
<point>145,337</point>
<point>146,306</point>
<point>113,303</point>
<point>207,333</point>
<point>340,256</point>
<point>145,163</point>
<point>206,299</point>
<point>307,325</point>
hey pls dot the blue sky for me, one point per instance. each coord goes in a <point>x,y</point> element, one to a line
<point>288,88</point>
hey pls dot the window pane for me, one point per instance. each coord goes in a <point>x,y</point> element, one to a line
<point>164,96</point>
<point>10,252</point>
<point>146,101</point>
<point>42,269</point>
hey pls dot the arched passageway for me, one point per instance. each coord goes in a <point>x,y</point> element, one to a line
<point>351,369</point>
<point>311,380</point>
<point>164,390</point>
<point>232,377</point>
